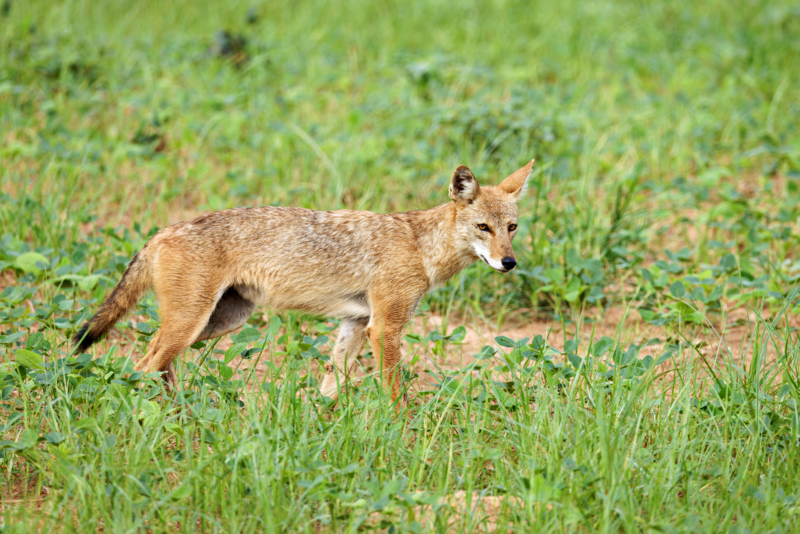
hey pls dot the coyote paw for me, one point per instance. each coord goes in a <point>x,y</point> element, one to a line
<point>329,387</point>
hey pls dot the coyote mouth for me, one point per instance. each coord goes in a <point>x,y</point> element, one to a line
<point>492,266</point>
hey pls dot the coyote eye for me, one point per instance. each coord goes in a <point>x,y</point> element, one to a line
<point>484,227</point>
<point>512,227</point>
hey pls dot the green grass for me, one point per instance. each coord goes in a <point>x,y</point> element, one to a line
<point>666,186</point>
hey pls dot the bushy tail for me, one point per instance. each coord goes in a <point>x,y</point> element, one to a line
<point>135,282</point>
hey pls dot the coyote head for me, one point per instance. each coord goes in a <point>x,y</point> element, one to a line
<point>486,217</point>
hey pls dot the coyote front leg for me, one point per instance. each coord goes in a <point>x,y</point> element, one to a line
<point>352,335</point>
<point>393,304</point>
<point>385,337</point>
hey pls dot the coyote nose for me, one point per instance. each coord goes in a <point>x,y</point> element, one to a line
<point>508,263</point>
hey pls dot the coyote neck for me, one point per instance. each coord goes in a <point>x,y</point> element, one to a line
<point>437,239</point>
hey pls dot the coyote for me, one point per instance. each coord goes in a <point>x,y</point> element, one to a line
<point>371,270</point>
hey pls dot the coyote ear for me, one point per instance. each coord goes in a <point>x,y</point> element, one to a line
<point>463,186</point>
<point>517,182</point>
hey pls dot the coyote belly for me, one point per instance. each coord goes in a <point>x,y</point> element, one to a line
<point>370,270</point>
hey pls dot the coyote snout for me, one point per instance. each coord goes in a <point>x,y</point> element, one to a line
<point>371,270</point>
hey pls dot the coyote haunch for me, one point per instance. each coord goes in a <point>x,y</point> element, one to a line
<point>371,270</point>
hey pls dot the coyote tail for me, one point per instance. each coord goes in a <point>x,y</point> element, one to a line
<point>136,280</point>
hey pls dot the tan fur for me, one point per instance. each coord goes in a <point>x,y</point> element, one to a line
<point>369,269</point>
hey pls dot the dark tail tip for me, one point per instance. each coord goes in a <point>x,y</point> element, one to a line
<point>85,338</point>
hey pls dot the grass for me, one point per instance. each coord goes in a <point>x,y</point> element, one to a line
<point>662,223</point>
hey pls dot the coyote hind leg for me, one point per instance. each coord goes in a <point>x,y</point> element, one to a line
<point>352,336</point>
<point>189,323</point>
<point>182,322</point>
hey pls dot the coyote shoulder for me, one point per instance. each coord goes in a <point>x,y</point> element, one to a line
<point>369,269</point>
